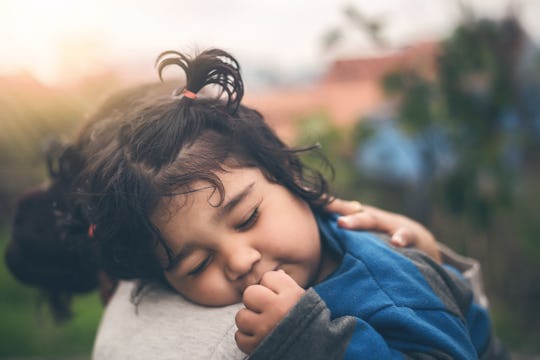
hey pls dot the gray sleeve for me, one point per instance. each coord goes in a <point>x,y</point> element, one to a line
<point>307,332</point>
<point>470,269</point>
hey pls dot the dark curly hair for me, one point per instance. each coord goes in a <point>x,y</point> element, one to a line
<point>142,146</point>
<point>163,144</point>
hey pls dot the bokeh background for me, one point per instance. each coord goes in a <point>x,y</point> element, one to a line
<point>430,108</point>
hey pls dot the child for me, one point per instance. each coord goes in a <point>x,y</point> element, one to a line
<point>231,214</point>
<point>200,194</point>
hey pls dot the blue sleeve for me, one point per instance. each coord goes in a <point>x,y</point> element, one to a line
<point>402,332</point>
<point>309,332</point>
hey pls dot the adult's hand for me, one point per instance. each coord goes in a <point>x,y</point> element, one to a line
<point>403,231</point>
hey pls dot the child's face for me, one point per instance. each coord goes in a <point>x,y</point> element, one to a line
<point>221,250</point>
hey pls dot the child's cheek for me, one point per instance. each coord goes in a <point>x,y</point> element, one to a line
<point>210,288</point>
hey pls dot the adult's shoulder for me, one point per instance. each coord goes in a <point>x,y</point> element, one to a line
<point>155,322</point>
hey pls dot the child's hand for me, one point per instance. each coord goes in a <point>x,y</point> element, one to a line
<point>404,232</point>
<point>266,305</point>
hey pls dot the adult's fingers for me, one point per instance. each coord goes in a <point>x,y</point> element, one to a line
<point>403,237</point>
<point>371,218</point>
<point>358,221</point>
<point>402,230</point>
<point>344,207</point>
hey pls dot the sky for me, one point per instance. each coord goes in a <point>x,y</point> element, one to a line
<point>59,41</point>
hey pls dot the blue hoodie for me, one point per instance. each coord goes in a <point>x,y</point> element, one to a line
<point>381,303</point>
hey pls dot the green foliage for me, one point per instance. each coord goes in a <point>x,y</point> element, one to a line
<point>336,147</point>
<point>27,328</point>
<point>416,108</point>
<point>477,85</point>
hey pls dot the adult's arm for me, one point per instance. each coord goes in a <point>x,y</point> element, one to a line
<point>403,231</point>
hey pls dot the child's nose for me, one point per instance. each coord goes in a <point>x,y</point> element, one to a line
<point>240,261</point>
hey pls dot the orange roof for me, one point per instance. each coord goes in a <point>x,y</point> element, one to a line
<point>350,89</point>
<point>421,56</point>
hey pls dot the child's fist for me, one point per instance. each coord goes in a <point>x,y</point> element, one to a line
<point>266,304</point>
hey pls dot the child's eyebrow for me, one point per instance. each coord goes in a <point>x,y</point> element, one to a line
<point>235,200</point>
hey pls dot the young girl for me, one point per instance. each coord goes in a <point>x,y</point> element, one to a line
<point>231,215</point>
<point>198,192</point>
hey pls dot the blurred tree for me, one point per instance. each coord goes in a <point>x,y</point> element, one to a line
<point>485,101</point>
<point>476,100</point>
<point>356,19</point>
<point>337,149</point>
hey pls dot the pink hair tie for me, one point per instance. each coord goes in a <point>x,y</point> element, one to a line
<point>189,94</point>
<point>91,230</point>
<point>177,93</point>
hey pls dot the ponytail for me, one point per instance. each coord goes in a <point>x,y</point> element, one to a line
<point>212,66</point>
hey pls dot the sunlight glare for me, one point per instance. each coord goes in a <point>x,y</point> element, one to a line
<point>47,38</point>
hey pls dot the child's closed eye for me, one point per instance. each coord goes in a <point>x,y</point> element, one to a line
<point>249,222</point>
<point>201,266</point>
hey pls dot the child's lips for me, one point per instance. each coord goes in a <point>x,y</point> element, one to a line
<point>276,268</point>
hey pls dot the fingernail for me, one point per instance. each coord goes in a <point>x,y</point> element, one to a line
<point>398,240</point>
<point>358,206</point>
<point>344,221</point>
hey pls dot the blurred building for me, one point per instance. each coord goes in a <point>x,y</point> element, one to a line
<point>350,89</point>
